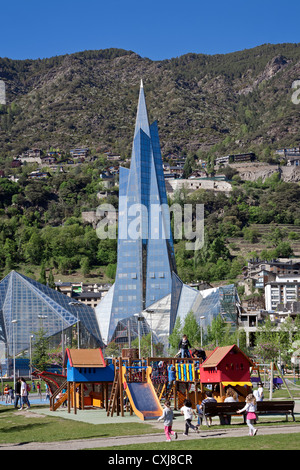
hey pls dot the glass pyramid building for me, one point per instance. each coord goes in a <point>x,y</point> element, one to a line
<point>26,306</point>
<point>146,257</point>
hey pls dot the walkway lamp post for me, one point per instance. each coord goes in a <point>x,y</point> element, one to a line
<point>201,318</point>
<point>14,322</point>
<point>30,356</point>
<point>139,319</point>
<point>151,330</point>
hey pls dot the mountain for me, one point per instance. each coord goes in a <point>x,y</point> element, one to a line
<point>222,103</point>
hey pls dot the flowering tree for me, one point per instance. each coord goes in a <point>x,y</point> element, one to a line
<point>268,351</point>
<point>267,342</point>
<point>55,359</point>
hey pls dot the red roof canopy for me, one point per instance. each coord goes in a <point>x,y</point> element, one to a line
<point>220,352</point>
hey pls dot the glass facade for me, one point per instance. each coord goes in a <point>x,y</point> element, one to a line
<point>146,282</point>
<point>26,306</point>
<point>146,257</point>
<point>206,304</point>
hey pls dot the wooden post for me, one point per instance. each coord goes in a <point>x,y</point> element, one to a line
<point>81,396</point>
<point>69,397</point>
<point>74,398</point>
<point>221,390</point>
<point>129,369</point>
<point>271,381</point>
<point>121,386</point>
<point>195,385</point>
<point>130,378</point>
<point>105,396</point>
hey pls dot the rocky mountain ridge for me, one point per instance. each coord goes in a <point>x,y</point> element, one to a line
<point>205,104</point>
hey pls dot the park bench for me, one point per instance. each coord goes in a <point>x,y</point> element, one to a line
<point>211,409</point>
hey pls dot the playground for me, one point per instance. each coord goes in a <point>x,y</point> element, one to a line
<point>116,402</point>
<point>128,386</point>
<point>91,429</point>
<point>89,426</point>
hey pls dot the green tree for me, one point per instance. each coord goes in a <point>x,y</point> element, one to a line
<point>37,193</point>
<point>251,234</point>
<point>175,337</point>
<point>111,271</point>
<point>33,250</point>
<point>287,333</point>
<point>188,166</point>
<point>40,356</point>
<point>113,349</point>
<point>267,342</point>
<point>42,279</point>
<point>191,328</point>
<point>51,282</point>
<point>85,266</point>
<point>216,332</point>
<point>146,346</point>
<point>107,251</point>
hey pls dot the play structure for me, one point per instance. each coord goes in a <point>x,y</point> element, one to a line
<point>54,381</point>
<point>128,384</point>
<point>227,366</point>
<point>142,395</point>
<point>86,383</point>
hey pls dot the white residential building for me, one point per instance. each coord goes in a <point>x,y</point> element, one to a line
<point>284,290</point>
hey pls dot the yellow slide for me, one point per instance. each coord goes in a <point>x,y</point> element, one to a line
<point>142,397</point>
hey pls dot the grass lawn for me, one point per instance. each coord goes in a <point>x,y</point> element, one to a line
<point>16,427</point>
<point>273,442</point>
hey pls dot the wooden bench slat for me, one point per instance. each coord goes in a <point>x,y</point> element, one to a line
<point>263,407</point>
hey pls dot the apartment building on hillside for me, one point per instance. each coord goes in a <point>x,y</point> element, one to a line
<point>285,290</point>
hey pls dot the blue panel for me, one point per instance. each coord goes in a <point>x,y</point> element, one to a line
<point>90,374</point>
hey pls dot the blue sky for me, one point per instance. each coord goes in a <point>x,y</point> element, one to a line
<point>157,29</point>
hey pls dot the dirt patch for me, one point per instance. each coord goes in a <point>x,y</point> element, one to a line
<point>29,414</point>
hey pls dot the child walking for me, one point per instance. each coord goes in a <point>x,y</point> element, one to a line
<point>167,416</point>
<point>250,407</point>
<point>187,411</point>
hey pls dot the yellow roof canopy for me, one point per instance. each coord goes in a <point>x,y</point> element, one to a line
<point>234,384</point>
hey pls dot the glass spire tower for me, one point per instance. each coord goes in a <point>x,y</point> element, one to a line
<point>146,257</point>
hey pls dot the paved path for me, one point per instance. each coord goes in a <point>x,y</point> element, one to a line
<point>145,438</point>
<point>99,417</point>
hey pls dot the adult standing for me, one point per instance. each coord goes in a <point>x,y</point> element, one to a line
<point>259,393</point>
<point>184,346</point>
<point>24,394</point>
<point>18,392</point>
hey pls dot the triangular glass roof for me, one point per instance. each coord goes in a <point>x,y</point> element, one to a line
<point>26,306</point>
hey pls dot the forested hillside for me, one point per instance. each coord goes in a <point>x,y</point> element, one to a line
<point>41,225</point>
<point>221,103</point>
<point>206,106</point>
